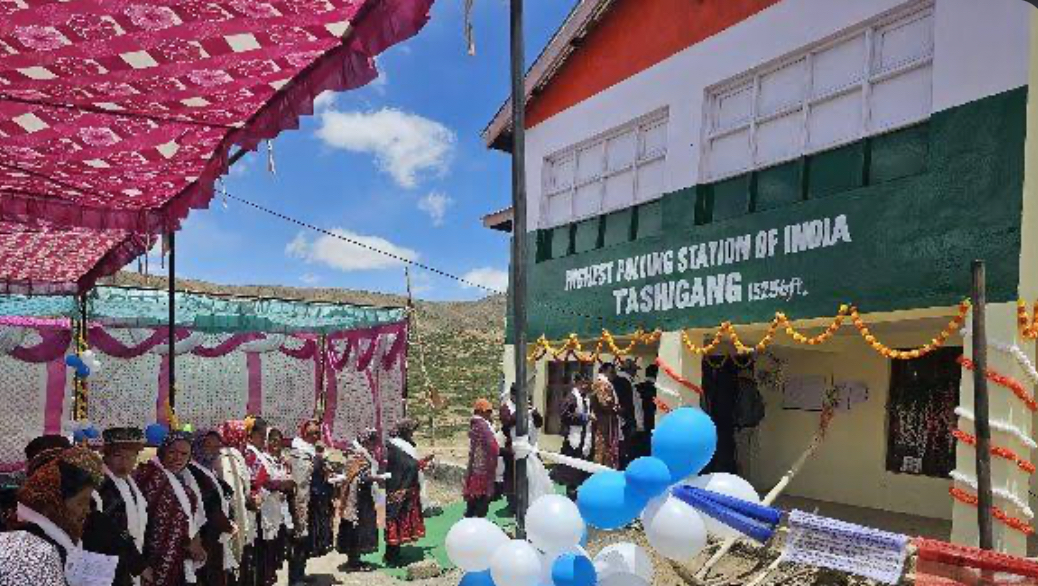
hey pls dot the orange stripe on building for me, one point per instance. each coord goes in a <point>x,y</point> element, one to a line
<point>633,36</point>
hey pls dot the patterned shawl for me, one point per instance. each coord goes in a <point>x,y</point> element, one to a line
<point>167,536</point>
<point>483,453</point>
<point>62,477</point>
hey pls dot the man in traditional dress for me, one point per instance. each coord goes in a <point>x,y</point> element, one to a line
<point>482,467</point>
<point>605,413</point>
<point>576,433</point>
<point>404,522</point>
<point>119,519</point>
<point>623,384</point>
<point>644,413</point>
<point>508,421</point>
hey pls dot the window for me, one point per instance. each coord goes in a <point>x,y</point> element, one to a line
<point>872,80</point>
<point>921,414</point>
<point>617,170</point>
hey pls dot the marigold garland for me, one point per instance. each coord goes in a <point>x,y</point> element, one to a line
<point>1004,381</point>
<point>678,378</point>
<point>1028,324</point>
<point>1012,522</point>
<point>1004,453</point>
<point>661,406</point>
<point>953,326</point>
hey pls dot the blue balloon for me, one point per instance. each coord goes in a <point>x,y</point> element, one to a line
<point>73,360</point>
<point>648,477</point>
<point>573,570</point>
<point>155,434</point>
<point>79,436</point>
<point>91,433</point>
<point>606,501</point>
<point>477,579</point>
<point>685,440</point>
<point>82,370</point>
<point>583,539</point>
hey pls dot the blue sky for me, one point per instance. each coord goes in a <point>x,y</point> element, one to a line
<point>399,163</point>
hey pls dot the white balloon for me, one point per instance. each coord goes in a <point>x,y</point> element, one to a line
<point>674,529</point>
<point>554,523</point>
<point>516,563</point>
<point>625,559</point>
<point>471,544</point>
<point>728,485</point>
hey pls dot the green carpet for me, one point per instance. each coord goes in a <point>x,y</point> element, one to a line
<point>434,545</point>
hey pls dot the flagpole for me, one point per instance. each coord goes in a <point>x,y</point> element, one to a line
<point>518,268</point>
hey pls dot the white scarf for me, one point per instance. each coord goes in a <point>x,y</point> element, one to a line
<point>136,509</point>
<point>225,506</point>
<point>75,575</point>
<point>192,519</point>
<point>272,504</point>
<point>304,447</point>
<point>578,439</point>
<point>235,473</point>
<point>412,451</point>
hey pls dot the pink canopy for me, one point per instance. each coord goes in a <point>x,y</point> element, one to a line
<point>117,116</point>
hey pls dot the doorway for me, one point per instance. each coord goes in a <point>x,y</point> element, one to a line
<point>720,402</point>
<point>561,374</point>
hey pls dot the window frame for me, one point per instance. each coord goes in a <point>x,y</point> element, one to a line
<point>642,158</point>
<point>863,82</point>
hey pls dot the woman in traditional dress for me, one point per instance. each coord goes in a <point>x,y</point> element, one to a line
<point>269,484</point>
<point>216,501</point>
<point>605,415</point>
<point>172,544</point>
<point>404,522</point>
<point>482,467</point>
<point>232,470</point>
<point>281,493</point>
<point>312,501</point>
<point>358,525</point>
<point>576,433</point>
<point>52,507</point>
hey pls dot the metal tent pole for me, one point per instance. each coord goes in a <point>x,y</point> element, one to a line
<point>171,242</point>
<point>519,253</point>
<point>980,405</point>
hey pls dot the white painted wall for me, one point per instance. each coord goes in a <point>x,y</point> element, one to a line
<point>981,48</point>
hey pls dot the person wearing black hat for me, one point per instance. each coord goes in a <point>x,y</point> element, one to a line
<point>645,413</point>
<point>624,386</point>
<point>117,523</point>
<point>43,449</point>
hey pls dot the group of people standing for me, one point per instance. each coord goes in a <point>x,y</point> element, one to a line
<point>224,507</point>
<point>608,420</point>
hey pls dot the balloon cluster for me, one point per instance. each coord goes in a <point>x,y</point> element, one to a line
<point>155,434</point>
<point>683,444</point>
<point>84,432</point>
<point>84,364</point>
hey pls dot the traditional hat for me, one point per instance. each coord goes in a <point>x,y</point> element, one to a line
<point>126,436</point>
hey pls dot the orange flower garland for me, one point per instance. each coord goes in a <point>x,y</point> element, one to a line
<point>661,406</point>
<point>1004,453</point>
<point>969,499</point>
<point>1004,381</point>
<point>572,347</point>
<point>1028,324</point>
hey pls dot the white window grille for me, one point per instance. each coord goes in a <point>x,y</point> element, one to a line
<point>616,170</point>
<point>875,78</point>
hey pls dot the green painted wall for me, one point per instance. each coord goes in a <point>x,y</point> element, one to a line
<point>920,204</point>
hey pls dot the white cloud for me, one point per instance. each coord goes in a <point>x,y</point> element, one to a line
<point>347,256</point>
<point>435,204</point>
<point>310,279</point>
<point>405,145</point>
<point>487,277</point>
<point>324,101</point>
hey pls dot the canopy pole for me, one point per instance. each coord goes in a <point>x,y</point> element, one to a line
<point>980,406</point>
<point>79,409</point>
<point>518,60</point>
<point>171,243</point>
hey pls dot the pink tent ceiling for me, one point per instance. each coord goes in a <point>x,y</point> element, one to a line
<point>117,116</point>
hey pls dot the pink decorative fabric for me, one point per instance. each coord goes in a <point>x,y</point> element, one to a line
<point>56,377</point>
<point>119,115</point>
<point>53,347</point>
<point>255,368</point>
<point>34,322</point>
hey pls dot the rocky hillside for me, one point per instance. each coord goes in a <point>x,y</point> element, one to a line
<point>462,342</point>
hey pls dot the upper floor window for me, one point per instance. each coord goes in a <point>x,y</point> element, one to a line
<point>616,170</point>
<point>873,79</point>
